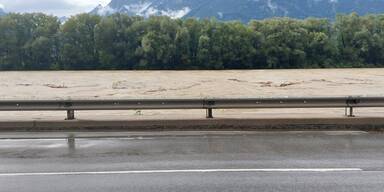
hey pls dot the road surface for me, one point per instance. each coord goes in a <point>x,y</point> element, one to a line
<point>192,161</point>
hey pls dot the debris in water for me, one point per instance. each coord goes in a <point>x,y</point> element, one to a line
<point>237,80</point>
<point>24,84</point>
<point>56,86</point>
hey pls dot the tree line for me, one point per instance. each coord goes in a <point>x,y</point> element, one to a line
<point>35,41</point>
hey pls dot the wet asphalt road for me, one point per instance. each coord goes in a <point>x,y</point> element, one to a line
<point>193,161</point>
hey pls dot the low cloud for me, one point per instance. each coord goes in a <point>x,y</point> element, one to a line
<point>54,7</point>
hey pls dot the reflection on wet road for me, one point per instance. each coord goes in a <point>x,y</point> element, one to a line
<point>308,161</point>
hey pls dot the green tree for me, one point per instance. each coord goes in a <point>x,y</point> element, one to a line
<point>78,50</point>
<point>27,41</point>
<point>320,49</point>
<point>115,43</point>
<point>41,50</point>
<point>37,41</point>
<point>157,50</point>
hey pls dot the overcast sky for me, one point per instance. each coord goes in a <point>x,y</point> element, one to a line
<point>55,7</point>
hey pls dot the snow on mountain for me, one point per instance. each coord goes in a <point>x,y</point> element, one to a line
<point>141,8</point>
<point>101,10</point>
<point>2,12</point>
<point>243,10</point>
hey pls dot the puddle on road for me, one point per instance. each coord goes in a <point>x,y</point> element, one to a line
<point>277,143</point>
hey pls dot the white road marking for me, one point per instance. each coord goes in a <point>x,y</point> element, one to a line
<point>180,171</point>
<point>31,139</point>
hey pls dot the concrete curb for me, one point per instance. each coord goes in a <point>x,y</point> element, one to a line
<point>358,123</point>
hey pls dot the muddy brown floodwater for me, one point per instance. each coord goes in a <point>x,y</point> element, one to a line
<point>190,84</point>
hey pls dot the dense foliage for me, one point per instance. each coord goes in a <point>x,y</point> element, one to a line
<point>41,42</point>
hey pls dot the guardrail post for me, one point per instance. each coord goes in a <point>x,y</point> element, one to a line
<point>70,115</point>
<point>209,113</point>
<point>351,101</point>
<point>349,112</point>
<point>208,104</point>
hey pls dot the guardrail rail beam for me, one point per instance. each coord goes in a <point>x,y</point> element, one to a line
<point>70,106</point>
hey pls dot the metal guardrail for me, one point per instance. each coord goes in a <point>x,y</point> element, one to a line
<point>349,103</point>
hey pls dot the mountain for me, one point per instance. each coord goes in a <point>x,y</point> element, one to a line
<point>243,10</point>
<point>2,12</point>
<point>63,19</point>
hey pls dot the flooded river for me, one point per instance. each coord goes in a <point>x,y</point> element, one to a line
<point>190,84</point>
